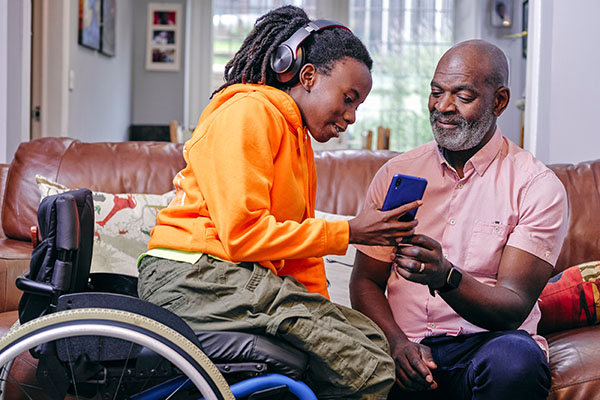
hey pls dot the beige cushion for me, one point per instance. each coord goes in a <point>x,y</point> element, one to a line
<point>122,225</point>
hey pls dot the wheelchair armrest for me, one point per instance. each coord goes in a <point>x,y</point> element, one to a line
<point>30,286</point>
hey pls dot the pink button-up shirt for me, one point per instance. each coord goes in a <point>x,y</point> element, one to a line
<point>506,197</point>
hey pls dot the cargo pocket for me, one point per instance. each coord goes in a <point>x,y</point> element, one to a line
<point>340,363</point>
<point>288,315</point>
<point>171,303</point>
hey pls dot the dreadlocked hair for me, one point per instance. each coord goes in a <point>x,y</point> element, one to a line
<point>251,63</point>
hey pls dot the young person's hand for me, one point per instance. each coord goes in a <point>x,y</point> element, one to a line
<point>375,227</point>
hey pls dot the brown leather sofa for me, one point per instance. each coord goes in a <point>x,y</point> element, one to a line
<point>343,177</point>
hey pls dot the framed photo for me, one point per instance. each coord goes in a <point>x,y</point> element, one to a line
<point>163,48</point>
<point>89,24</point>
<point>107,29</point>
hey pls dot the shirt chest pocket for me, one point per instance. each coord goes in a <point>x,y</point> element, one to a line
<point>485,247</point>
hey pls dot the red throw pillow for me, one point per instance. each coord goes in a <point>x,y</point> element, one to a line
<point>571,299</point>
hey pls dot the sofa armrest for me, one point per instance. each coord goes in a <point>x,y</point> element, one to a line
<point>15,256</point>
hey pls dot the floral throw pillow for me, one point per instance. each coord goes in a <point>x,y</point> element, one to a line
<point>122,225</point>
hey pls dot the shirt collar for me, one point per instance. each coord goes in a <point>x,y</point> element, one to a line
<point>480,160</point>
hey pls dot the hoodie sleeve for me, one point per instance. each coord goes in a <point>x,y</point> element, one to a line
<point>252,175</point>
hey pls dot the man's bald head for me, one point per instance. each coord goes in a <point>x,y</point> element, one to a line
<point>482,54</point>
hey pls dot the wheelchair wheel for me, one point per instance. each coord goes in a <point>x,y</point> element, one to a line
<point>52,357</point>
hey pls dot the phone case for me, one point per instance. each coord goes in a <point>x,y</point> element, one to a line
<point>404,189</point>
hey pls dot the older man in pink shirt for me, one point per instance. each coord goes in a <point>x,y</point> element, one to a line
<point>461,310</point>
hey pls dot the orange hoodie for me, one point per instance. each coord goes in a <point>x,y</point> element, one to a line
<point>248,190</point>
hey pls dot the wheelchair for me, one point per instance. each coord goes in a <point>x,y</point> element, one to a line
<point>82,335</point>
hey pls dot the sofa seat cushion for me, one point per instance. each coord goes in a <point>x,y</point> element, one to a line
<point>574,361</point>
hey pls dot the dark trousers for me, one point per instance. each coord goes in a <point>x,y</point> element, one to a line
<point>507,365</point>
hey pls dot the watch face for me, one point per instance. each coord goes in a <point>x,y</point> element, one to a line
<point>454,277</point>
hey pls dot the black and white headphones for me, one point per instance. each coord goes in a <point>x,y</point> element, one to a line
<point>287,60</point>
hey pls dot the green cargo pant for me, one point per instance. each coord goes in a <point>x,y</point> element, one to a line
<point>348,353</point>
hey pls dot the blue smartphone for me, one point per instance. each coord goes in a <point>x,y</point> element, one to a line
<point>404,189</point>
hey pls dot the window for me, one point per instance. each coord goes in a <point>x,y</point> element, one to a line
<point>405,38</point>
<point>233,20</point>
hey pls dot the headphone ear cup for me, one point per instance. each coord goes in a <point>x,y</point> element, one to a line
<point>287,65</point>
<point>282,59</point>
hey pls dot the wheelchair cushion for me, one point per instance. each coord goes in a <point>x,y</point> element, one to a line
<point>238,347</point>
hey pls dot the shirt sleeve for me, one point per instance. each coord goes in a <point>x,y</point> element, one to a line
<point>543,219</point>
<point>234,163</point>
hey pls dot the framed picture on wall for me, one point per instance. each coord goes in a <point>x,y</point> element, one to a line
<point>163,47</point>
<point>107,31</point>
<point>89,23</point>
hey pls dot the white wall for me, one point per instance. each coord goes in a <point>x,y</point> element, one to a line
<point>157,95</point>
<point>100,102</point>
<point>16,55</point>
<point>573,107</point>
<point>3,80</point>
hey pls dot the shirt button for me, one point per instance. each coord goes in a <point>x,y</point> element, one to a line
<point>452,222</point>
<point>496,229</point>
<point>547,254</point>
<point>431,325</point>
<point>460,186</point>
<point>445,255</point>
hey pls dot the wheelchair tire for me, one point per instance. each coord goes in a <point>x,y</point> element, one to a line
<point>69,325</point>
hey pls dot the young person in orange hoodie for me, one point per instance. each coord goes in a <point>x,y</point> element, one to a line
<point>239,247</point>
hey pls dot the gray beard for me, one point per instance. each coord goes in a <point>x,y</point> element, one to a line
<point>467,134</point>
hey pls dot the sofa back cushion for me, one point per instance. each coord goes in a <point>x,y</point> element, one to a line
<point>124,167</point>
<point>582,182</point>
<point>344,177</point>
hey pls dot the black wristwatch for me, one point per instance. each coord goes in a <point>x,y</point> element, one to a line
<point>452,281</point>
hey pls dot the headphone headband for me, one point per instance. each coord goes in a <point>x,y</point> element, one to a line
<point>287,60</point>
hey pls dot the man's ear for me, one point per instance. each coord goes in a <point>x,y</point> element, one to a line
<point>307,76</point>
<point>501,99</point>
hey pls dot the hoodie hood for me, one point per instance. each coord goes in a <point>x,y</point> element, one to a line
<point>280,99</point>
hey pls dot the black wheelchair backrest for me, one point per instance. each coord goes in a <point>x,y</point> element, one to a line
<point>60,263</point>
